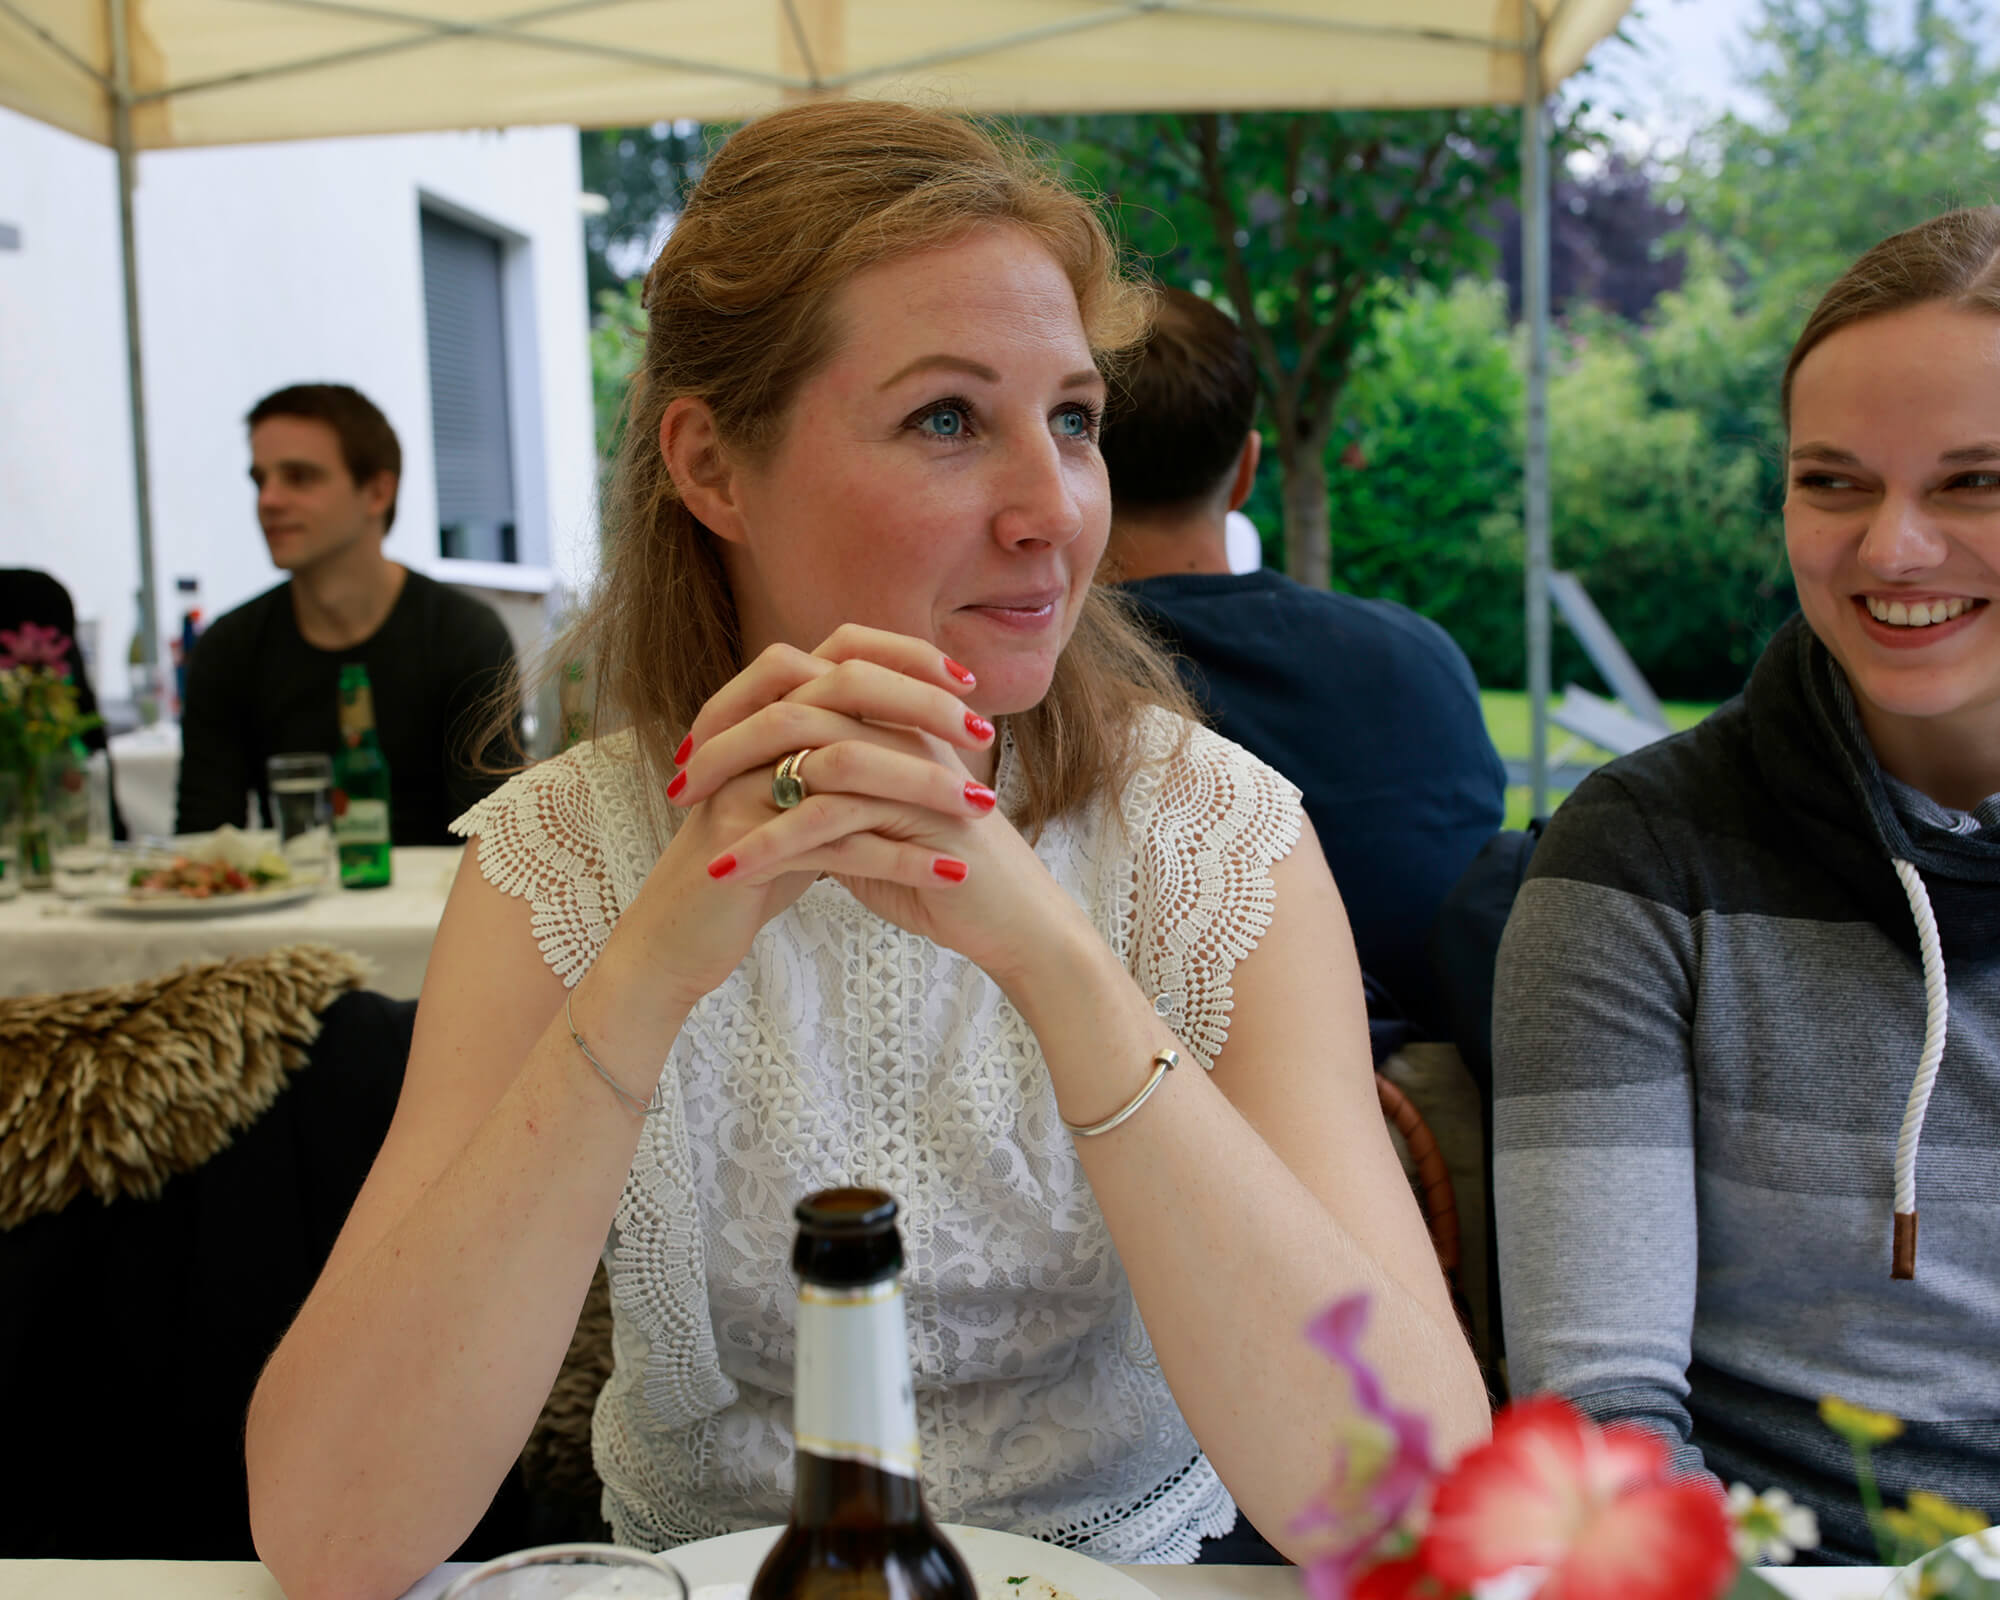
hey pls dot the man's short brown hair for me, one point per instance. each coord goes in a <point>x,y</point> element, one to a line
<point>1176,424</point>
<point>367,443</point>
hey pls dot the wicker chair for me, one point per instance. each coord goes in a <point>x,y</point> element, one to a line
<point>1429,1175</point>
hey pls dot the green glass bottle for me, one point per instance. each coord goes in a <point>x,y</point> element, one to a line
<point>360,787</point>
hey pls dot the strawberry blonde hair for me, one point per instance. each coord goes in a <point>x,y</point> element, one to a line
<point>739,312</point>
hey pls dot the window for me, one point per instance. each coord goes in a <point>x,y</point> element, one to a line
<point>471,437</point>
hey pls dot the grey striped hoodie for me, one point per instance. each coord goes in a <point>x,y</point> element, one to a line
<point>1708,1013</point>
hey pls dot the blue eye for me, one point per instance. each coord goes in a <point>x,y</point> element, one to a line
<point>944,422</point>
<point>1076,422</point>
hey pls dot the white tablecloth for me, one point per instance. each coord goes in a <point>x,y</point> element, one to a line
<point>48,945</point>
<point>145,770</point>
<point>246,1580</point>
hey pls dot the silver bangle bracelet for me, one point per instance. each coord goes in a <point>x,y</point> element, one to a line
<point>1164,1061</point>
<point>631,1102</point>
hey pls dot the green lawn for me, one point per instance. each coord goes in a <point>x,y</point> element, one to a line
<point>1507,725</point>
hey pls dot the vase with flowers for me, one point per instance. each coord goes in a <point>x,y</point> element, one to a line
<point>1556,1507</point>
<point>41,728</point>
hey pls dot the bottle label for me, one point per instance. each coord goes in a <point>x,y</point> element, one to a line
<point>853,1399</point>
<point>357,712</point>
<point>361,821</point>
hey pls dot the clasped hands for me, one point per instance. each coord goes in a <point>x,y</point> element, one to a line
<point>891,812</point>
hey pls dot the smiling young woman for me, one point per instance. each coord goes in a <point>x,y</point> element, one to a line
<point>893,863</point>
<point>1727,1058</point>
<point>1892,524</point>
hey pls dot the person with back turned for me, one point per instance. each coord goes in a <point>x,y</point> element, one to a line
<point>1369,708</point>
<point>265,678</point>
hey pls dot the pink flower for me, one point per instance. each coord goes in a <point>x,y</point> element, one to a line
<point>32,645</point>
<point>1382,1462</point>
<point>1593,1506</point>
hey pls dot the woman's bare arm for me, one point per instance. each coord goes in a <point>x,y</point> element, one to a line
<point>1241,1204</point>
<point>402,1394</point>
<point>1244,1203</point>
<point>406,1387</point>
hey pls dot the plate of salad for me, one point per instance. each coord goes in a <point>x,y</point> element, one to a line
<point>217,874</point>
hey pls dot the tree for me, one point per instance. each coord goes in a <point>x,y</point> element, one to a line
<point>1863,136</point>
<point>644,175</point>
<point>1431,419</point>
<point>1304,223</point>
<point>617,345</point>
<point>1610,239</point>
<point>1668,519</point>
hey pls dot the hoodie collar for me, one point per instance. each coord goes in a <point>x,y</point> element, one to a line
<point>1817,760</point>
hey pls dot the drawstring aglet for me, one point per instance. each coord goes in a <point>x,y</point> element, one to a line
<point>1904,1262</point>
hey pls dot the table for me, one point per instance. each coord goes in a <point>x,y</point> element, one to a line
<point>247,1580</point>
<point>50,945</point>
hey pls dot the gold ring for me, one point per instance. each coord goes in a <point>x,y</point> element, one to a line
<point>788,783</point>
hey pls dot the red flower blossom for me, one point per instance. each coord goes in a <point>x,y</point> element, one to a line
<point>1401,1579</point>
<point>1592,1506</point>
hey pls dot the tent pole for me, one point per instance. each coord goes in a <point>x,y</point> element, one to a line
<point>1535,311</point>
<point>128,180</point>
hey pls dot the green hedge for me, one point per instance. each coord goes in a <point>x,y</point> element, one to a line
<point>1665,482</point>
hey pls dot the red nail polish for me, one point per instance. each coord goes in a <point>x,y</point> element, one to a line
<point>681,755</point>
<point>722,866</point>
<point>674,789</point>
<point>977,794</point>
<point>978,726</point>
<point>963,674</point>
<point>949,870</point>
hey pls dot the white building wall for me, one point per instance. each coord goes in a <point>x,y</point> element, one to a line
<point>260,266</point>
<point>65,440</point>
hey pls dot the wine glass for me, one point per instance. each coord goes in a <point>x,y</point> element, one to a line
<point>571,1572</point>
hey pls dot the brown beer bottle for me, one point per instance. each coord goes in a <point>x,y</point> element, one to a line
<point>858,1529</point>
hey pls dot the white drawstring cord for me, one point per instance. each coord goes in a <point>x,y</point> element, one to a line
<point>1937,1011</point>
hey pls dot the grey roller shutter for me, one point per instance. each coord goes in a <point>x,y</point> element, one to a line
<point>470,439</point>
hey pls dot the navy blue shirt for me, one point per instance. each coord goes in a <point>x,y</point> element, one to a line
<point>1373,712</point>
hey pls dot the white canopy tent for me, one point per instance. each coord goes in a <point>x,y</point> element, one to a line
<point>162,74</point>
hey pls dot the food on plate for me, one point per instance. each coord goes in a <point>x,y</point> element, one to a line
<point>1026,1587</point>
<point>202,878</point>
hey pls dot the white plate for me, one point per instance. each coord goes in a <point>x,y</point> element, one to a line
<point>175,906</point>
<point>1980,1550</point>
<point>993,1557</point>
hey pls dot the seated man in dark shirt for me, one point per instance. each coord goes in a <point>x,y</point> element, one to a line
<point>264,679</point>
<point>1369,708</point>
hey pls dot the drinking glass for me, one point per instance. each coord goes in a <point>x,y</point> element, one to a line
<point>10,835</point>
<point>77,802</point>
<point>571,1572</point>
<point>302,799</point>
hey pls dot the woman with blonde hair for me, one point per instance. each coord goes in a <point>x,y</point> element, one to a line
<point>950,950</point>
<point>1748,1005</point>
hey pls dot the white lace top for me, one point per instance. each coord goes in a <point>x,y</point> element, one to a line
<point>844,1051</point>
